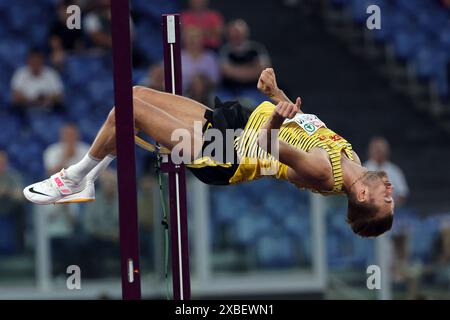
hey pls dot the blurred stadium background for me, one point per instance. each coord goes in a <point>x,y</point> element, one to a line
<point>391,82</point>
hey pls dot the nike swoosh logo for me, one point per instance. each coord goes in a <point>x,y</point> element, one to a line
<point>37,192</point>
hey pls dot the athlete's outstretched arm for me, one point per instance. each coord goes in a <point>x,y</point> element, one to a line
<point>267,84</point>
<point>306,166</point>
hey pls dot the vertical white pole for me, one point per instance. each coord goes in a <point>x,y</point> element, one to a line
<point>42,255</point>
<point>383,257</point>
<point>319,237</point>
<point>200,208</point>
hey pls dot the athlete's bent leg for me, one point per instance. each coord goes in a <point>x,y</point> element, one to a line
<point>157,122</point>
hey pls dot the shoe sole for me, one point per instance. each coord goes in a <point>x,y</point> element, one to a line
<point>80,200</point>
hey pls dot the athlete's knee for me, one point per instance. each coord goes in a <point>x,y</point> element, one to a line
<point>138,109</point>
<point>137,90</point>
<point>144,92</point>
<point>141,91</point>
<point>111,120</point>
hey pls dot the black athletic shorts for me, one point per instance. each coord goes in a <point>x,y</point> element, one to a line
<point>225,115</point>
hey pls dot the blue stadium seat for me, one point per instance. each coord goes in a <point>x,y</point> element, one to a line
<point>13,52</point>
<point>154,9</point>
<point>276,250</point>
<point>80,69</point>
<point>406,43</point>
<point>10,126</point>
<point>429,62</point>
<point>46,127</point>
<point>89,126</point>
<point>7,235</point>
<point>149,42</point>
<point>249,226</point>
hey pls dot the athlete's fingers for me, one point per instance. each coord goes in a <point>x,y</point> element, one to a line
<point>298,103</point>
<point>293,111</point>
<point>287,110</point>
<point>281,109</point>
<point>266,77</point>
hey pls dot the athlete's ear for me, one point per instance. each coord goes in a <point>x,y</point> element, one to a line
<point>361,193</point>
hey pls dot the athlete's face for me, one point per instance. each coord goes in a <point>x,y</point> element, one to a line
<point>193,39</point>
<point>379,150</point>
<point>35,63</point>
<point>69,134</point>
<point>380,191</point>
<point>237,32</point>
<point>198,4</point>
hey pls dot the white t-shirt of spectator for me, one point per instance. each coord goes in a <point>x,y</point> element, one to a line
<point>54,153</point>
<point>48,82</point>
<point>94,23</point>
<point>59,224</point>
<point>395,175</point>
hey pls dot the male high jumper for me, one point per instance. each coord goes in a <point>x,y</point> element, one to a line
<point>302,151</point>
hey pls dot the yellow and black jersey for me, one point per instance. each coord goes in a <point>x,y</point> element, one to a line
<point>251,162</point>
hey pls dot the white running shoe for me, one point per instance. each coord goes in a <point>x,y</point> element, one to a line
<point>53,190</point>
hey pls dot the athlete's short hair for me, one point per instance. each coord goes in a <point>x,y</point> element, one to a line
<point>364,220</point>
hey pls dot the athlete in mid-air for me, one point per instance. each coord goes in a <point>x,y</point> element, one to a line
<point>303,151</point>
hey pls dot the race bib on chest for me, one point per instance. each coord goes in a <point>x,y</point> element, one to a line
<point>309,122</point>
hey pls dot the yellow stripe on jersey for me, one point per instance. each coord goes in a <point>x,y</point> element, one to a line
<point>256,162</point>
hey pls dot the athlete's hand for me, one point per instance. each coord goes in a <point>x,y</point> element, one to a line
<point>267,82</point>
<point>288,110</point>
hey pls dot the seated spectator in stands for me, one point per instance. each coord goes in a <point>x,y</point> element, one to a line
<point>405,272</point>
<point>445,4</point>
<point>63,220</point>
<point>101,225</point>
<point>196,60</point>
<point>155,77</point>
<point>200,90</point>
<point>62,39</point>
<point>67,151</point>
<point>11,198</point>
<point>242,60</point>
<point>36,85</point>
<point>209,21</point>
<point>379,161</point>
<point>97,25</point>
<point>439,268</point>
<point>146,210</point>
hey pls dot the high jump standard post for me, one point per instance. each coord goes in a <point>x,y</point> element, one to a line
<point>177,177</point>
<point>126,153</point>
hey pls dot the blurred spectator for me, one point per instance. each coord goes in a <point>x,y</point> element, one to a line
<point>155,77</point>
<point>67,151</point>
<point>97,25</point>
<point>62,39</point>
<point>209,21</point>
<point>101,225</point>
<point>146,206</point>
<point>11,199</point>
<point>200,89</point>
<point>379,155</point>
<point>242,60</point>
<point>101,218</point>
<point>405,272</point>
<point>439,269</point>
<point>445,4</point>
<point>195,59</point>
<point>36,85</point>
<point>62,221</point>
